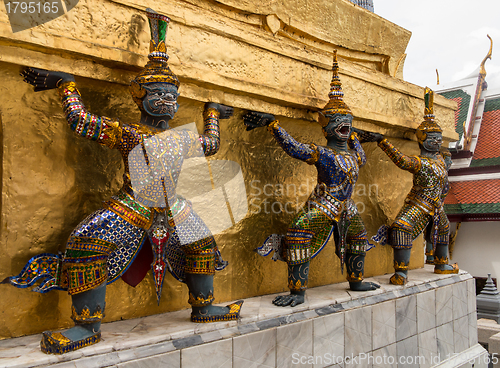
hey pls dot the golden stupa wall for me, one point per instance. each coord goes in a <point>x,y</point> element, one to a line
<point>273,56</point>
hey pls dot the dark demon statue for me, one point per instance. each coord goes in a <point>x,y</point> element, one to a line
<point>422,211</point>
<point>330,208</point>
<point>147,217</point>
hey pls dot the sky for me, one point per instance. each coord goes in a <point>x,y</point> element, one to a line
<point>448,35</point>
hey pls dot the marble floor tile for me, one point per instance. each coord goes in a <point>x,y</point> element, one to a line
<point>421,276</point>
<point>360,361</point>
<point>385,357</point>
<point>384,324</point>
<point>140,352</point>
<point>460,301</point>
<point>444,305</point>
<point>464,275</point>
<point>234,331</point>
<point>472,329</point>
<point>255,350</point>
<point>471,296</point>
<point>426,311</point>
<point>294,341</point>
<point>365,294</point>
<point>105,360</point>
<point>427,347</point>
<point>328,338</point>
<point>445,340</point>
<point>211,336</point>
<point>461,334</point>
<point>217,354</point>
<point>169,360</point>
<point>385,285</point>
<point>358,331</point>
<point>407,352</point>
<point>406,317</point>
<point>323,296</point>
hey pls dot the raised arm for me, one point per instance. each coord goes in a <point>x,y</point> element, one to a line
<point>408,163</point>
<point>301,151</point>
<point>96,128</point>
<point>354,144</point>
<point>210,140</point>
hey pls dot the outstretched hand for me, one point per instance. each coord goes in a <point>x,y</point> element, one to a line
<point>225,112</point>
<point>255,119</point>
<point>44,80</point>
<point>365,136</point>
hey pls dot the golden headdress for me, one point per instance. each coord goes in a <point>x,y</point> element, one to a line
<point>428,125</point>
<point>157,69</point>
<point>336,105</point>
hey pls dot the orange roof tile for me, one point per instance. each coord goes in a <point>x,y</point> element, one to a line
<point>488,141</point>
<point>474,191</point>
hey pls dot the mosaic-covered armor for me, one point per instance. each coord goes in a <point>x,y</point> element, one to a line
<point>146,217</point>
<point>330,200</point>
<point>423,206</point>
<point>430,244</point>
<point>329,209</point>
<point>119,228</point>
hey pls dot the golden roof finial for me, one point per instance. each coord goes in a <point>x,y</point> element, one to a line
<point>437,74</point>
<point>482,69</point>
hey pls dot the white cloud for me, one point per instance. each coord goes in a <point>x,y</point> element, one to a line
<point>446,37</point>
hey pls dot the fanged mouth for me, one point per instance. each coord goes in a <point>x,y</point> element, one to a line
<point>163,108</point>
<point>164,103</point>
<point>343,130</point>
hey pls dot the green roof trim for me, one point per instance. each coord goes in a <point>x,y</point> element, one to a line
<point>462,111</point>
<point>492,161</point>
<point>472,208</point>
<point>492,105</point>
<point>452,209</point>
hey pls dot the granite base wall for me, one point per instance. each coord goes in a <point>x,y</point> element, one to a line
<point>431,322</point>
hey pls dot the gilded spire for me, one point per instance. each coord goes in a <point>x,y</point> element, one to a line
<point>335,85</point>
<point>428,125</point>
<point>157,69</point>
<point>158,25</point>
<point>336,105</point>
<point>429,104</point>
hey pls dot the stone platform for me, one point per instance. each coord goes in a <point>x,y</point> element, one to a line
<point>429,322</point>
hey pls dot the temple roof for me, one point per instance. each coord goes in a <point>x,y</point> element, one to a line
<point>475,173</point>
<point>463,100</point>
<point>487,151</point>
<point>474,200</point>
<point>475,182</point>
